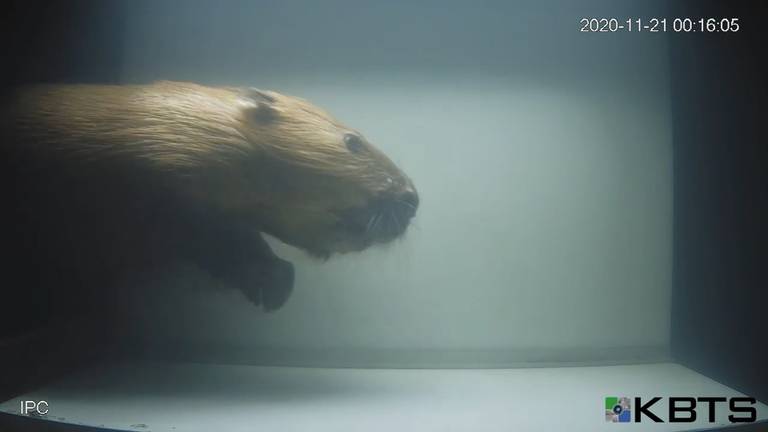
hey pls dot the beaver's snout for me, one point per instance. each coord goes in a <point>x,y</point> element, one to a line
<point>392,212</point>
<point>383,218</point>
<point>406,203</point>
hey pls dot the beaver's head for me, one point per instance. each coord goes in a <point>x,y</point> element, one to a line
<point>326,188</point>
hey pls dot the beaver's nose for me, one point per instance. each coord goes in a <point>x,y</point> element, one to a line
<point>408,201</point>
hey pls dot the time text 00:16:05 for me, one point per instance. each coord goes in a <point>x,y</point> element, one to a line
<point>659,25</point>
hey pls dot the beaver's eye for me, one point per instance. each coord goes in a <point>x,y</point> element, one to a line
<point>354,143</point>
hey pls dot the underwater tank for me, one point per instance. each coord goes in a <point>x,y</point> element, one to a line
<point>353,216</point>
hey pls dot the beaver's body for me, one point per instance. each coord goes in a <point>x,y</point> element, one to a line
<point>115,179</point>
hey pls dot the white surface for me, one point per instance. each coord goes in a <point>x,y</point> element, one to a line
<point>195,397</point>
<point>542,156</point>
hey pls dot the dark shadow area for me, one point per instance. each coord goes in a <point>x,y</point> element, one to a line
<point>44,333</point>
<point>719,96</point>
<point>70,41</point>
<point>29,424</point>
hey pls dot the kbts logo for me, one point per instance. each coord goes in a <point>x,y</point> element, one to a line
<point>681,409</point>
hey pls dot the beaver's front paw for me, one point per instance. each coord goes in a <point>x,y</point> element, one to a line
<point>268,283</point>
<point>244,261</point>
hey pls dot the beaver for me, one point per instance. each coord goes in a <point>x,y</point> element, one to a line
<point>115,179</point>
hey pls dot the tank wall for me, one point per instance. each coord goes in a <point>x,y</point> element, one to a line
<point>544,169</point>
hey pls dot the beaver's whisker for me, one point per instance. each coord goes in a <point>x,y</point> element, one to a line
<point>406,203</point>
<point>393,216</point>
<point>370,224</point>
<point>376,224</point>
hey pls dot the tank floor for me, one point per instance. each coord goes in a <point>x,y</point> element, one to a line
<point>204,397</point>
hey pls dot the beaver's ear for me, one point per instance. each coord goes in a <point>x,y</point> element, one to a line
<point>259,105</point>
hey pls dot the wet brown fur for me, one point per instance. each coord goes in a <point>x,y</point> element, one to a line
<point>273,160</point>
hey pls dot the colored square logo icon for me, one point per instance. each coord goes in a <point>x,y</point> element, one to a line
<point>618,409</point>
